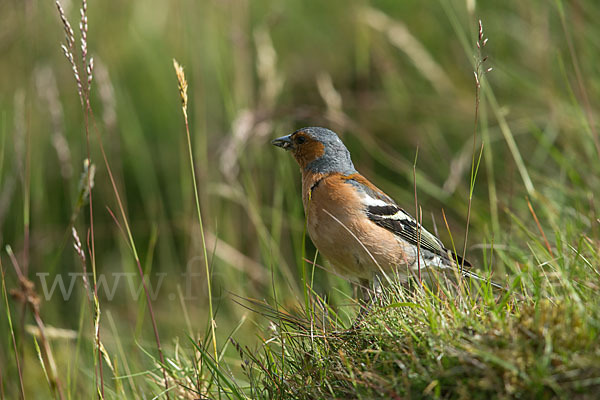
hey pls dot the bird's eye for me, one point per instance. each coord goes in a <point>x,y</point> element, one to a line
<point>300,140</point>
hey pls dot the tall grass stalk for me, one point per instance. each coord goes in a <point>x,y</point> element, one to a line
<point>479,71</point>
<point>305,286</point>
<point>12,333</point>
<point>83,91</point>
<point>491,98</point>
<point>135,254</point>
<point>417,216</point>
<point>182,83</point>
<point>84,94</point>
<point>539,226</point>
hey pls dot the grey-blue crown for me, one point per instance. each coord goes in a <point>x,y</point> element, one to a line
<point>336,158</point>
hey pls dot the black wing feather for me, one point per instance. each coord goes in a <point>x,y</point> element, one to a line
<point>399,222</point>
<point>393,218</point>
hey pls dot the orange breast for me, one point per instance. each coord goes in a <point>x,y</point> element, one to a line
<point>340,229</point>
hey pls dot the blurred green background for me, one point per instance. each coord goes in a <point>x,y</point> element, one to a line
<point>390,77</point>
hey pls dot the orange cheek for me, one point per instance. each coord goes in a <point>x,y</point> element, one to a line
<point>309,152</point>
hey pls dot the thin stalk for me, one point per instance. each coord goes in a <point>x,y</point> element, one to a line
<point>135,255</point>
<point>539,226</point>
<point>481,42</point>
<point>500,117</point>
<point>83,89</point>
<point>27,203</point>
<point>12,333</point>
<point>26,181</point>
<point>305,288</point>
<point>183,94</point>
<point>417,217</point>
<point>84,94</point>
<point>92,248</point>
<point>489,164</point>
<point>26,293</point>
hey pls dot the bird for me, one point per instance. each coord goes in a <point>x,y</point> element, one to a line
<point>360,230</point>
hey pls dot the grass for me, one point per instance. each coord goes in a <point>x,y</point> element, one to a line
<point>537,340</point>
<point>420,345</point>
<point>217,292</point>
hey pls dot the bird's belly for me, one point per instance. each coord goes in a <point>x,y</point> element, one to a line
<point>357,248</point>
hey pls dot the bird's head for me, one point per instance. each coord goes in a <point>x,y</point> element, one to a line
<point>318,150</point>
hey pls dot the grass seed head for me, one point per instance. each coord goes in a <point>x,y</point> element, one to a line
<point>182,84</point>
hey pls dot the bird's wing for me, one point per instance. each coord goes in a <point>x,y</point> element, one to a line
<point>383,211</point>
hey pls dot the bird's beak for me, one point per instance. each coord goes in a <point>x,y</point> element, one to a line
<point>285,142</point>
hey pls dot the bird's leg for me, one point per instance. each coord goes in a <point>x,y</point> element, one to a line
<point>364,291</point>
<point>377,287</point>
<point>365,301</point>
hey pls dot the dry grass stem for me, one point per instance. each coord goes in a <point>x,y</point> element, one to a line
<point>182,84</point>
<point>27,296</point>
<point>539,226</point>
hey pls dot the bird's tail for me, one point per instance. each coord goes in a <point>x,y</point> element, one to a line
<point>462,262</point>
<point>473,275</point>
<point>464,265</point>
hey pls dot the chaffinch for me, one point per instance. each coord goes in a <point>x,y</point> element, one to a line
<point>355,225</point>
